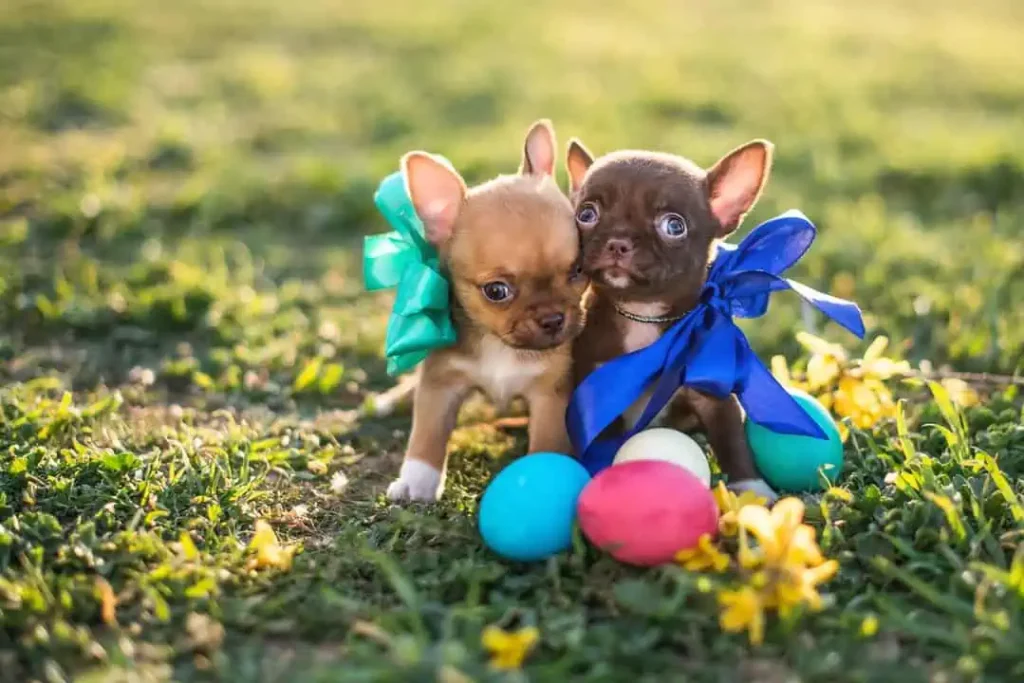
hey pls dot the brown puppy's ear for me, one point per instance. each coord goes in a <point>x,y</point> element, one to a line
<point>735,182</point>
<point>577,161</point>
<point>437,192</point>
<point>539,150</point>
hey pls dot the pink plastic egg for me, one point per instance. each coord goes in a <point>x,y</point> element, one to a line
<point>644,512</point>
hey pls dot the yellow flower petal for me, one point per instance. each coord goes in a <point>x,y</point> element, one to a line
<point>876,348</point>
<point>844,431</point>
<point>749,498</point>
<point>727,524</point>
<point>264,536</point>
<point>788,513</point>
<point>742,610</point>
<point>757,520</point>
<point>822,573</point>
<point>817,345</point>
<point>780,369</point>
<point>508,649</point>
<point>960,392</point>
<point>269,552</point>
<point>724,498</point>
<point>704,556</point>
<point>803,548</point>
<point>822,371</point>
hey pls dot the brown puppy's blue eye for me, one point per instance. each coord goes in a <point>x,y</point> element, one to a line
<point>587,215</point>
<point>672,226</point>
<point>576,272</point>
<point>497,291</point>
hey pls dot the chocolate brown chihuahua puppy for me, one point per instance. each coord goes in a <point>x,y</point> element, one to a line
<point>649,224</point>
<point>510,248</point>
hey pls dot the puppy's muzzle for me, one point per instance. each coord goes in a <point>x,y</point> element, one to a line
<point>618,249</point>
<point>542,330</point>
<point>551,323</point>
<point>617,252</point>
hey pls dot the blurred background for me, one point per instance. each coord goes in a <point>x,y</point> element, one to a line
<point>184,185</point>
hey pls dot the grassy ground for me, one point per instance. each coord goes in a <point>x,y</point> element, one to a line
<point>183,336</point>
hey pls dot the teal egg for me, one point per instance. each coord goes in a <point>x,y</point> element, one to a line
<point>795,463</point>
<point>528,510</point>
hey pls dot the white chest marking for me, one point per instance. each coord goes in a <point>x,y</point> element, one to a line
<point>500,371</point>
<point>637,335</point>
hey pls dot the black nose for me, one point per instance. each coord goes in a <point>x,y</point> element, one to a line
<point>618,246</point>
<point>551,323</point>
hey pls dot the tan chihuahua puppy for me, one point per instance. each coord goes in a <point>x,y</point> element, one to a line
<point>649,224</point>
<point>510,248</point>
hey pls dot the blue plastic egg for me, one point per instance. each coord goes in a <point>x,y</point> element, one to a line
<point>796,464</point>
<point>528,510</point>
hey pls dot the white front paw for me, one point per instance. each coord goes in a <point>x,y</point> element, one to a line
<point>759,486</point>
<point>417,482</point>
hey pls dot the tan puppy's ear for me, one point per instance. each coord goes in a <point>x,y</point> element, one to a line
<point>577,160</point>
<point>539,150</point>
<point>437,191</point>
<point>735,182</point>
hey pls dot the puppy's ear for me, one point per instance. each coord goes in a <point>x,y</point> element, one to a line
<point>577,161</point>
<point>437,192</point>
<point>735,182</point>
<point>539,150</point>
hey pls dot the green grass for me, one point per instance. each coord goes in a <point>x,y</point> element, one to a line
<point>184,339</point>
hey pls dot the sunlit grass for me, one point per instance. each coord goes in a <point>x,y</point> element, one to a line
<point>185,341</point>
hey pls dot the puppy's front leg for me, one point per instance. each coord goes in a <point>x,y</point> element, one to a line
<point>722,419</point>
<point>435,410</point>
<point>547,421</point>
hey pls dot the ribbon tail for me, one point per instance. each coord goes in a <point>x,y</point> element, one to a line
<point>844,312</point>
<point>767,403</point>
<point>601,454</point>
<point>404,362</point>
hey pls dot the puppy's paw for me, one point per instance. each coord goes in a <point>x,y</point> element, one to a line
<point>418,482</point>
<point>758,486</point>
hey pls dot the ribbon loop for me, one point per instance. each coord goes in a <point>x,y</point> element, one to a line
<point>706,351</point>
<point>421,315</point>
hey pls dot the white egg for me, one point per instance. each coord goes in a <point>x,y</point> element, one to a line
<point>667,445</point>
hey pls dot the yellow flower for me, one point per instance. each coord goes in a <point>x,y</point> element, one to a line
<point>799,585</point>
<point>783,539</point>
<point>822,371</point>
<point>866,401</point>
<point>876,366</point>
<point>509,649</point>
<point>783,568</point>
<point>704,556</point>
<point>742,610</point>
<point>826,361</point>
<point>780,369</point>
<point>269,552</point>
<point>960,392</point>
<point>729,504</point>
<point>869,626</point>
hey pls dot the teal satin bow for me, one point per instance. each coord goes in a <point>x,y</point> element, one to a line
<point>421,318</point>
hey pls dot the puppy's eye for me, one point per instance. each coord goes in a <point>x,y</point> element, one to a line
<point>587,215</point>
<point>497,291</point>
<point>672,226</point>
<point>576,273</point>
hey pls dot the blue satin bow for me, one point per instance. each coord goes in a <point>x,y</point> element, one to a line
<point>707,351</point>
